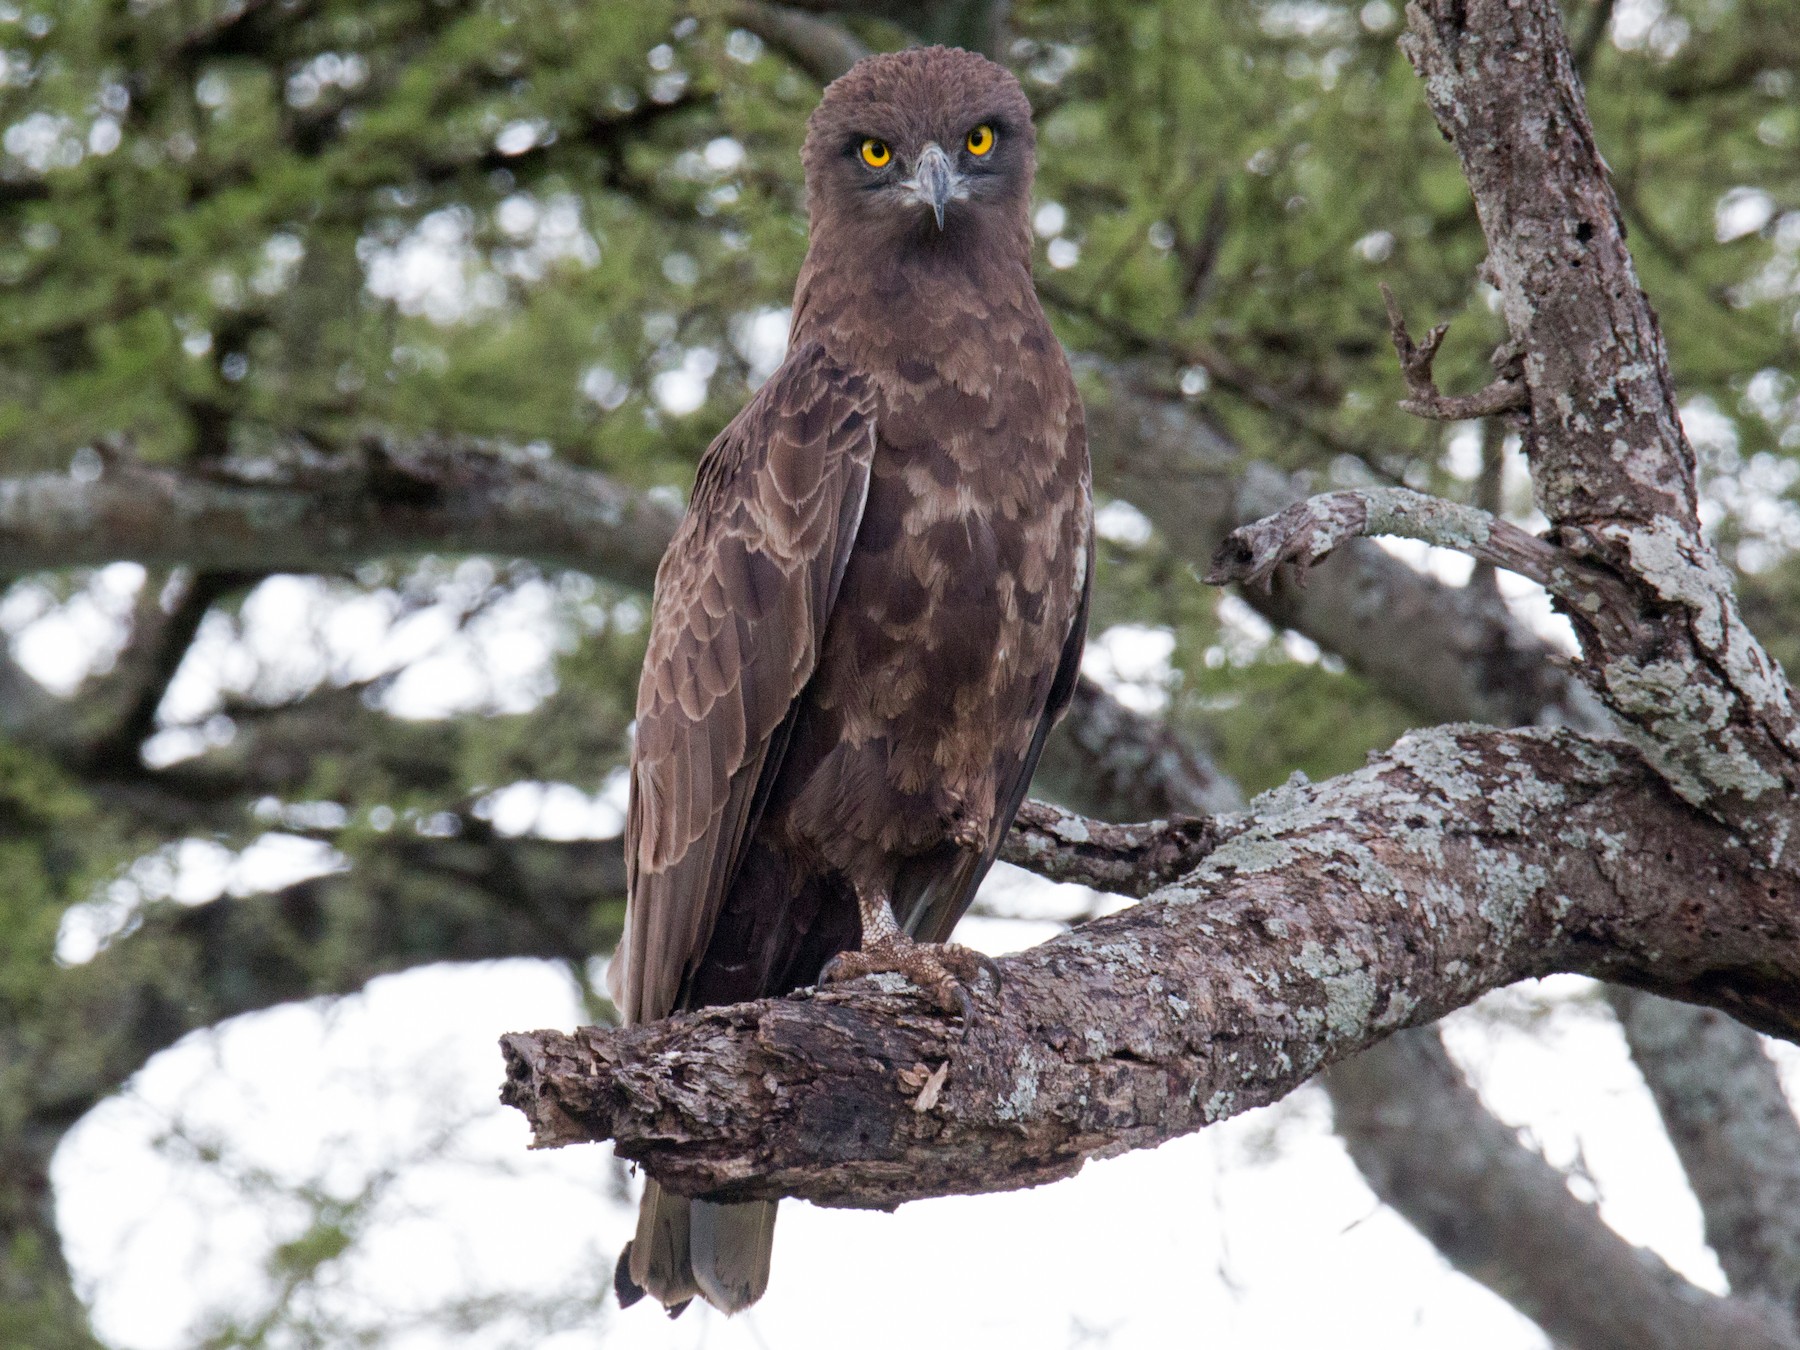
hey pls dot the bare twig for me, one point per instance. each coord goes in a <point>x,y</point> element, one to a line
<point>1506,394</point>
<point>1129,860</point>
<point>1444,652</point>
<point>1308,531</point>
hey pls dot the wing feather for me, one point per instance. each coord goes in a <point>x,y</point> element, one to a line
<point>742,599</point>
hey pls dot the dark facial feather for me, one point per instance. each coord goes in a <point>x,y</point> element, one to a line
<point>910,100</point>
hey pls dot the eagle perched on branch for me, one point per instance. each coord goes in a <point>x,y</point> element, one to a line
<point>872,614</point>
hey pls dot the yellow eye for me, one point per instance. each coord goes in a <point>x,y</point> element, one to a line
<point>981,140</point>
<point>876,153</point>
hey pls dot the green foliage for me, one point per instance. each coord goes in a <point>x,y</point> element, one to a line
<point>48,860</point>
<point>37,1308</point>
<point>50,856</point>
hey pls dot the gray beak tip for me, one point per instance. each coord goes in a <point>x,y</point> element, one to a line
<point>935,181</point>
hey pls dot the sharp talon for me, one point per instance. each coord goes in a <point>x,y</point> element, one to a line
<point>992,967</point>
<point>945,974</point>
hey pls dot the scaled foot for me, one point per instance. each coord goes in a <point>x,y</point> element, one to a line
<point>944,971</point>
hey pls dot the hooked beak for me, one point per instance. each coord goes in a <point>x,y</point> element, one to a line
<point>935,180</point>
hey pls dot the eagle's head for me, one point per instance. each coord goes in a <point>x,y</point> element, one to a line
<point>930,149</point>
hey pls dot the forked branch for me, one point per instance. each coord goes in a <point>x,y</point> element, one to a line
<point>1506,394</point>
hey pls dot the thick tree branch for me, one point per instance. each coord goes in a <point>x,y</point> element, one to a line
<point>312,513</point>
<point>1449,652</point>
<point>818,46</point>
<point>1736,1133</point>
<point>120,707</point>
<point>1488,1210</point>
<point>1458,862</point>
<point>1502,1215</point>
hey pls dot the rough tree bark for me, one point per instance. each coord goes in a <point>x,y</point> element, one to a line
<point>1335,914</point>
<point>1611,466</point>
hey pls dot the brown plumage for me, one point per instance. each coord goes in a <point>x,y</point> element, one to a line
<point>873,612</point>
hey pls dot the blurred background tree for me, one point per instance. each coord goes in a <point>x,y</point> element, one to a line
<point>355,359</point>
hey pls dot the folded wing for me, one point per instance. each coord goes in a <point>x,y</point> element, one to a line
<point>742,600</point>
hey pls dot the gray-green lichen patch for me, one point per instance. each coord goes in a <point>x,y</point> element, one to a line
<point>1415,515</point>
<point>1643,464</point>
<point>1218,1106</point>
<point>1593,756</point>
<point>1437,759</point>
<point>1683,569</point>
<point>1127,953</point>
<point>1425,841</point>
<point>1682,723</point>
<point>1521,797</point>
<point>1611,845</point>
<point>1400,1008</point>
<point>1508,887</point>
<point>1018,1104</point>
<point>1253,851</point>
<point>1440,902</point>
<point>1349,987</point>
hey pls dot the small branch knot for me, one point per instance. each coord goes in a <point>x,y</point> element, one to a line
<point>1506,394</point>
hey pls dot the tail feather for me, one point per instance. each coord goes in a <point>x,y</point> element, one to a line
<point>659,1263</point>
<point>625,1289</point>
<point>730,1247</point>
<point>686,1247</point>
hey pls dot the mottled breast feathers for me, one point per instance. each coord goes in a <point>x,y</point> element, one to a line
<point>742,599</point>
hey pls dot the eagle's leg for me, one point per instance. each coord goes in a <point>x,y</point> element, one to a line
<point>943,970</point>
